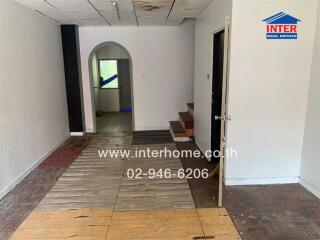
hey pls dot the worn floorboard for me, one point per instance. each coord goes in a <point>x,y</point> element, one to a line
<point>145,193</point>
<point>90,182</point>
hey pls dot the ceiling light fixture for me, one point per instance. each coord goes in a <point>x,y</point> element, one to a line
<point>115,5</point>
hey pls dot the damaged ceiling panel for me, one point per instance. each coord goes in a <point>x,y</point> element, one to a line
<point>152,12</point>
<point>186,9</point>
<point>152,7</point>
<point>118,12</point>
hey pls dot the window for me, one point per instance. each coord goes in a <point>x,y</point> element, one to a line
<point>109,73</point>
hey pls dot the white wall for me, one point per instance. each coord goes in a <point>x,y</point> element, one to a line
<point>112,52</point>
<point>33,109</point>
<point>310,167</point>
<point>162,70</point>
<point>211,20</point>
<point>269,82</point>
<point>268,89</point>
<point>109,100</point>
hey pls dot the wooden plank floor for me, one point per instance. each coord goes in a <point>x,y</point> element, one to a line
<point>98,224</point>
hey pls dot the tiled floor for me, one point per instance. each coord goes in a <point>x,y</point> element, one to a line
<point>204,190</point>
<point>274,212</point>
<point>113,122</point>
<point>152,137</point>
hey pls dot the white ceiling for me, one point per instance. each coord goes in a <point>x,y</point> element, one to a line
<point>130,12</point>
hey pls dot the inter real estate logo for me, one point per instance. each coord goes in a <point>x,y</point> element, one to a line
<point>282,26</point>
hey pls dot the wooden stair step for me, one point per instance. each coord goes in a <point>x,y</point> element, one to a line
<point>179,137</point>
<point>176,127</point>
<point>186,120</point>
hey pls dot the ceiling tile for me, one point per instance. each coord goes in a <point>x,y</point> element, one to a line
<point>126,11</point>
<point>151,21</point>
<point>186,9</point>
<point>44,8</point>
<point>75,8</point>
<point>191,4</point>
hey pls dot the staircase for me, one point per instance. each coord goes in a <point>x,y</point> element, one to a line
<point>182,130</point>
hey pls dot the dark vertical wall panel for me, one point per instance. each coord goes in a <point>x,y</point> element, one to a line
<point>72,69</point>
<point>124,83</point>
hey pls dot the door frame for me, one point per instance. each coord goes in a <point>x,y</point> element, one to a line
<point>93,107</point>
<point>224,105</point>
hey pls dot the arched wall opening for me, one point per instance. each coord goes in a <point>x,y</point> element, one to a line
<point>111,95</point>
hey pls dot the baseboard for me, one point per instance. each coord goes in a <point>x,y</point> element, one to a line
<point>90,130</point>
<point>8,188</point>
<point>78,134</point>
<point>260,181</point>
<point>309,187</point>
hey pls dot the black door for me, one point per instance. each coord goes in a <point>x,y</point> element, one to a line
<point>217,80</point>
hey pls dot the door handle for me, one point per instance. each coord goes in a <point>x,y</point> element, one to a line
<point>223,118</point>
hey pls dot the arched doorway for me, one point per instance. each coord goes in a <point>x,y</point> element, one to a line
<point>110,70</point>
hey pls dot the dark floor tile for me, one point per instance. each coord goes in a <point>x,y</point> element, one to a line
<point>114,122</point>
<point>274,212</point>
<point>204,191</point>
<point>152,137</point>
<point>271,212</point>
